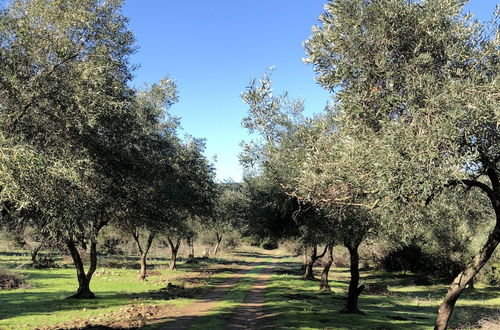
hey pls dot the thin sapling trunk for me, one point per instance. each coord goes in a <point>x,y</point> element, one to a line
<point>324,285</point>
<point>143,251</point>
<point>217,245</point>
<point>174,248</point>
<point>191,258</point>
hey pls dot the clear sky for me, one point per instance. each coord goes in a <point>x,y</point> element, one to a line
<point>213,48</point>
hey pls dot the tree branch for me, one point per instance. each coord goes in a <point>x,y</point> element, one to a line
<point>474,183</point>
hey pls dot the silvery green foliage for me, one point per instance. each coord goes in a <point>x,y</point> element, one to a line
<point>417,91</point>
<point>64,114</point>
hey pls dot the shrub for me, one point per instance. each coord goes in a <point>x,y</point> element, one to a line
<point>10,280</point>
<point>269,244</point>
<point>490,274</point>
<point>231,241</point>
<point>414,259</point>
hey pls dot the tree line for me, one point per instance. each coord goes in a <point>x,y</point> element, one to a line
<point>81,150</point>
<point>413,125</point>
<point>406,152</point>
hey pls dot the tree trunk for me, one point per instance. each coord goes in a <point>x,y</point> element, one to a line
<point>36,250</point>
<point>191,258</point>
<point>459,283</point>
<point>174,248</point>
<point>354,291</point>
<point>142,262</point>
<point>83,291</point>
<point>309,273</point>
<point>471,284</point>
<point>304,258</point>
<point>143,252</point>
<point>219,239</point>
<point>324,285</point>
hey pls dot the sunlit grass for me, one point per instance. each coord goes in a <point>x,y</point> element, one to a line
<point>44,303</point>
<point>298,303</point>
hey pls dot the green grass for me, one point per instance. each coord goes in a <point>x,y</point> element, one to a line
<point>44,303</point>
<point>299,304</point>
<point>296,303</point>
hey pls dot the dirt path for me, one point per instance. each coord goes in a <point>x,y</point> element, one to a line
<point>185,317</point>
<point>251,314</point>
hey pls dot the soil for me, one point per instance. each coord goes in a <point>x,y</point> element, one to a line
<point>252,314</point>
<point>188,315</point>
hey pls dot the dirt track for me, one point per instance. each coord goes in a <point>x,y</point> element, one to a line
<point>250,315</point>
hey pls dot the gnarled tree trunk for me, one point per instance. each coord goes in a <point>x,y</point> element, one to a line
<point>459,283</point>
<point>83,291</point>
<point>309,273</point>
<point>143,251</point>
<point>304,257</point>
<point>217,245</point>
<point>354,291</point>
<point>174,248</point>
<point>323,284</point>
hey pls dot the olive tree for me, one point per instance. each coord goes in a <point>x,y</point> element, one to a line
<point>417,95</point>
<point>65,123</point>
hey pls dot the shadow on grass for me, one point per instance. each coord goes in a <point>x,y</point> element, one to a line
<point>299,304</point>
<point>16,304</point>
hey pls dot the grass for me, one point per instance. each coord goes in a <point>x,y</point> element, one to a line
<point>299,305</point>
<point>44,303</point>
<point>294,302</point>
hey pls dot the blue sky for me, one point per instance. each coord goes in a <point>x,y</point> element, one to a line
<point>213,48</point>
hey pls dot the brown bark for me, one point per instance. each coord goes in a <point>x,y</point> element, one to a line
<point>83,291</point>
<point>219,240</point>
<point>304,257</point>
<point>459,283</point>
<point>174,248</point>
<point>143,251</point>
<point>309,273</point>
<point>191,258</point>
<point>36,250</point>
<point>324,285</point>
<point>354,291</point>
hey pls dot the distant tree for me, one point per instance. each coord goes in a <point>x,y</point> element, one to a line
<point>267,211</point>
<point>228,211</point>
<point>307,160</point>
<point>416,85</point>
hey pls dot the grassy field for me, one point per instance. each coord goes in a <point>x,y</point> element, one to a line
<point>291,301</point>
<point>43,303</point>
<point>298,303</point>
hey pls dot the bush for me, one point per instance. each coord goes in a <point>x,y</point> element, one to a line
<point>45,262</point>
<point>490,274</point>
<point>414,259</point>
<point>269,244</point>
<point>10,280</point>
<point>231,241</point>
